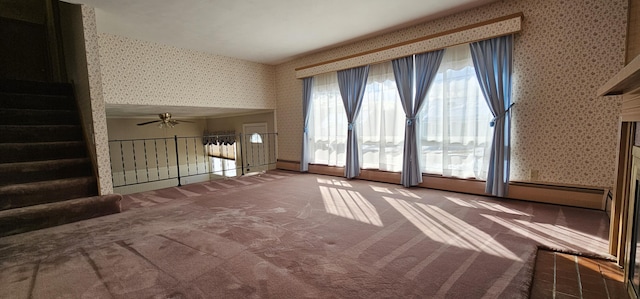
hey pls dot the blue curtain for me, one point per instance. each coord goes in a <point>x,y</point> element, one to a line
<point>352,83</point>
<point>307,84</point>
<point>493,65</point>
<point>426,65</point>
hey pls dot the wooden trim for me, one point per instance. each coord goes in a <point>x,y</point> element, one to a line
<point>630,211</point>
<point>288,165</point>
<point>630,107</point>
<point>620,206</point>
<point>583,197</point>
<point>576,196</point>
<point>627,79</point>
<point>380,176</point>
<point>420,39</point>
<point>289,161</point>
<point>469,186</point>
<point>326,170</point>
<point>563,187</point>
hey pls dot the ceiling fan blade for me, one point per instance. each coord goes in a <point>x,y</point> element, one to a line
<point>184,121</point>
<point>148,122</point>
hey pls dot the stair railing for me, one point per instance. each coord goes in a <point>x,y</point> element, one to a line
<point>148,160</point>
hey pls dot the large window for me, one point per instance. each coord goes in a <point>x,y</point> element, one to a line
<point>455,136</point>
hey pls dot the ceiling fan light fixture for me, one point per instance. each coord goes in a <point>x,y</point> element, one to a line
<point>165,121</point>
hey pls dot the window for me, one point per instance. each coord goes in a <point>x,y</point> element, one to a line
<point>455,136</point>
<point>327,122</point>
<point>381,121</point>
<point>256,138</point>
<point>221,150</point>
<point>454,132</point>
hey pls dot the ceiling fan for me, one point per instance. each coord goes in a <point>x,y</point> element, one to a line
<point>165,121</point>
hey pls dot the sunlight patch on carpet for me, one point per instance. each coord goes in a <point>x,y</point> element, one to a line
<point>497,207</point>
<point>407,193</point>
<point>349,204</point>
<point>381,189</point>
<point>460,202</point>
<point>539,236</point>
<point>443,227</point>
<point>334,182</point>
<point>478,204</point>
<point>396,191</point>
<point>561,232</point>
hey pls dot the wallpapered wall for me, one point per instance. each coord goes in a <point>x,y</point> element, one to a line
<point>72,28</point>
<point>566,50</point>
<point>146,73</point>
<point>234,123</point>
<point>126,128</point>
<point>511,24</point>
<point>97,106</point>
<point>633,40</point>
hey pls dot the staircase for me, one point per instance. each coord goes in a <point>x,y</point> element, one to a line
<point>46,176</point>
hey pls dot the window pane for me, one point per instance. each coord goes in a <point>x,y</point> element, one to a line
<point>256,138</point>
<point>455,136</point>
<point>327,122</point>
<point>381,121</point>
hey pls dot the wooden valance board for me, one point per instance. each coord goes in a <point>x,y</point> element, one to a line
<point>481,31</point>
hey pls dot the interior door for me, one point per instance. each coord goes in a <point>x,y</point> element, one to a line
<point>256,147</point>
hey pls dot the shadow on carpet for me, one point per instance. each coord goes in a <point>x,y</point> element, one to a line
<point>289,235</point>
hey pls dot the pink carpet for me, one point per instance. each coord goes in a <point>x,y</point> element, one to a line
<point>289,235</point>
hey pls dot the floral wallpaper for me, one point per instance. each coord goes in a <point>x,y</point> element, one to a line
<point>146,73</point>
<point>567,49</point>
<point>98,114</point>
<point>493,29</point>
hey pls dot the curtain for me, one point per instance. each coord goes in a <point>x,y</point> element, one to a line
<point>412,98</point>
<point>327,122</point>
<point>455,136</point>
<point>493,64</point>
<point>381,121</point>
<point>352,83</point>
<point>307,85</point>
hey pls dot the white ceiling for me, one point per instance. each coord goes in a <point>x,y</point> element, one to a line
<point>264,31</point>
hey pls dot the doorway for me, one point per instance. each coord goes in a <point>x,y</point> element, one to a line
<point>30,41</point>
<point>256,142</point>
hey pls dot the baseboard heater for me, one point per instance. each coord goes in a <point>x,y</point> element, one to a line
<point>575,196</point>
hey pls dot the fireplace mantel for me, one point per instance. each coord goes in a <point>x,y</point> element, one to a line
<point>622,236</point>
<point>626,83</point>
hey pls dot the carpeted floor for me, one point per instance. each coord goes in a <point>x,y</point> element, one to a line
<point>289,235</point>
